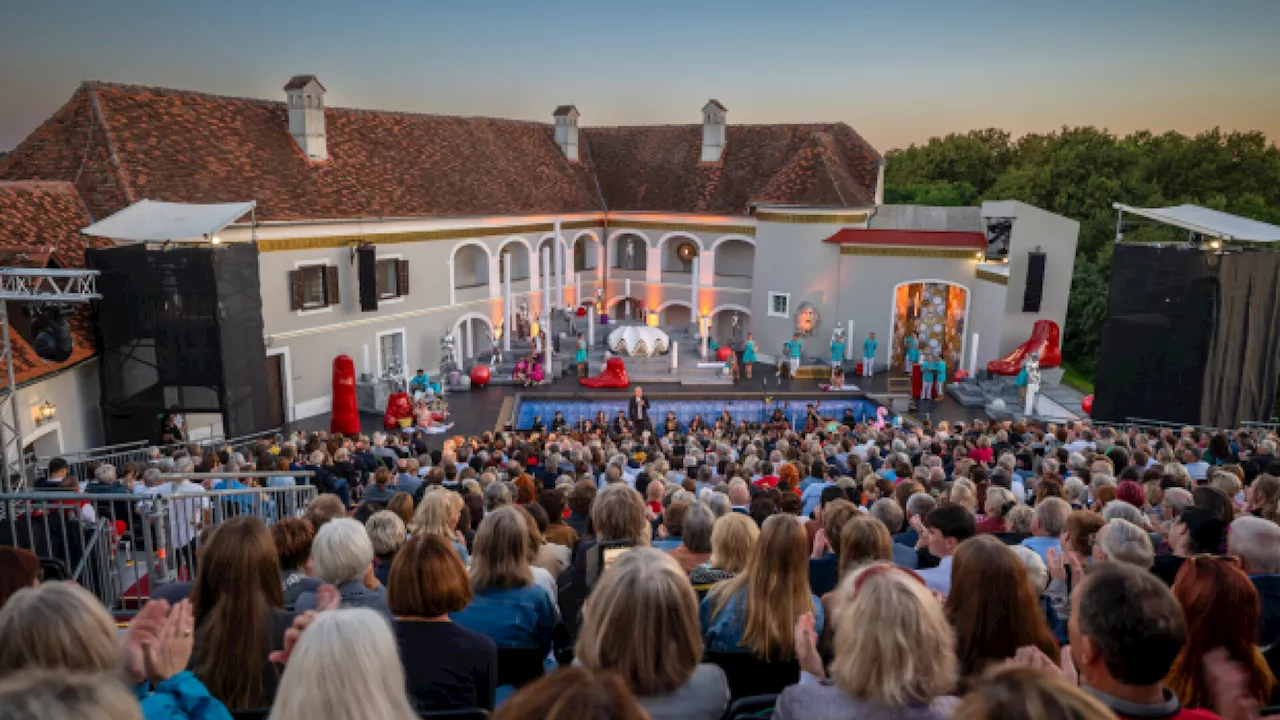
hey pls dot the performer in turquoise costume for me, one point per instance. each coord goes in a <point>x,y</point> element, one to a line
<point>793,354</point>
<point>939,375</point>
<point>837,349</point>
<point>869,347</point>
<point>580,357</point>
<point>749,354</point>
<point>911,349</point>
<point>926,380</point>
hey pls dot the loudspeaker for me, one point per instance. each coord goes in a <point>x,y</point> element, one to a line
<point>1034,291</point>
<point>368,260</point>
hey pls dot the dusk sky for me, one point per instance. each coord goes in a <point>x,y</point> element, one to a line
<point>899,72</point>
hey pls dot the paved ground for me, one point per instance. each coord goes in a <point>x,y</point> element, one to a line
<point>477,411</point>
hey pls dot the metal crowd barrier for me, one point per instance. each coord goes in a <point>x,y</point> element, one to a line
<point>121,546</point>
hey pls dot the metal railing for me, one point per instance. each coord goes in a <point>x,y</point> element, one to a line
<point>121,546</point>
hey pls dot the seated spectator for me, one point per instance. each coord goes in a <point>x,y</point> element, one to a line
<point>993,609</point>
<point>573,693</point>
<point>1221,610</point>
<point>292,538</point>
<point>1047,526</point>
<point>756,610</point>
<point>55,695</point>
<point>733,537</point>
<point>1257,543</point>
<point>323,508</point>
<point>446,666</point>
<point>558,531</point>
<point>695,539</point>
<point>580,499</point>
<point>19,569</point>
<point>386,534</point>
<point>538,561</point>
<point>824,560</point>
<point>1020,520</point>
<point>864,541</point>
<point>672,528</point>
<point>238,604</point>
<point>946,527</point>
<point>641,621</point>
<point>318,681</point>
<point>60,627</point>
<point>997,506</point>
<point>889,512</point>
<point>438,514</point>
<point>342,556</point>
<point>919,505</point>
<point>894,654</point>
<point>1195,531</point>
<point>402,505</point>
<point>1121,541</point>
<point>1026,692</point>
<point>381,489</point>
<point>507,605</point>
<point>1038,577</point>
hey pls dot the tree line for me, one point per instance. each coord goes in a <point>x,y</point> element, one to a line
<point>1079,172</point>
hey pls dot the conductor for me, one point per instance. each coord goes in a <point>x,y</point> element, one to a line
<point>638,412</point>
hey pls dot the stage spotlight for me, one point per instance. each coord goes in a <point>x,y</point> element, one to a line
<point>51,333</point>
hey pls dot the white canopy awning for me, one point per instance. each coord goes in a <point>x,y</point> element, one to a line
<point>1213,223</point>
<point>153,221</point>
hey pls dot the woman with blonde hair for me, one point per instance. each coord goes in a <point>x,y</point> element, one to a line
<point>343,667</point>
<point>438,514</point>
<point>507,605</point>
<point>1028,692</point>
<point>894,653</point>
<point>732,539</point>
<point>641,621</point>
<point>51,695</point>
<point>1264,497</point>
<point>755,612</point>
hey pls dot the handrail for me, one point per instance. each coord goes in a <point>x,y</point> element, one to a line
<point>98,528</point>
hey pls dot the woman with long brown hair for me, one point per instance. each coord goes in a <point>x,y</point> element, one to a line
<point>1221,608</point>
<point>993,607</point>
<point>756,611</point>
<point>237,602</point>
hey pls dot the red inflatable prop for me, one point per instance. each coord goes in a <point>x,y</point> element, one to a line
<point>1087,404</point>
<point>723,353</point>
<point>398,406</point>
<point>960,375</point>
<point>344,417</point>
<point>480,376</point>
<point>614,376</point>
<point>1045,339</point>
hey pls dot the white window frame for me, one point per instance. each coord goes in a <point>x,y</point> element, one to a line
<point>309,264</point>
<point>404,347</point>
<point>398,298</point>
<point>774,313</point>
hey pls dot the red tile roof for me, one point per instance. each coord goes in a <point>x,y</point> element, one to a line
<point>122,143</point>
<point>297,82</point>
<point>40,221</point>
<point>910,238</point>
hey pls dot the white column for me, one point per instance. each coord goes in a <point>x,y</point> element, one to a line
<point>626,287</point>
<point>653,264</point>
<point>546,286</point>
<point>705,329</point>
<point>973,356</point>
<point>506,308</point>
<point>471,339</point>
<point>577,289</point>
<point>675,357</point>
<point>848,342</point>
<point>695,284</point>
<point>546,352</point>
<point>559,260</point>
<point>366,359</point>
<point>495,282</point>
<point>534,273</point>
<point>591,327</point>
<point>602,259</point>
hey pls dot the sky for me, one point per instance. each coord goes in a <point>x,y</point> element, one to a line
<point>898,71</point>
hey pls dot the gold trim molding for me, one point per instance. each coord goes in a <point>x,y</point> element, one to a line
<point>810,218</point>
<point>748,230</point>
<point>991,277</point>
<point>935,253</point>
<point>338,241</point>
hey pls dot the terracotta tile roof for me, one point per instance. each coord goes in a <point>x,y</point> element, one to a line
<point>40,221</point>
<point>121,143</point>
<point>910,238</point>
<point>715,102</point>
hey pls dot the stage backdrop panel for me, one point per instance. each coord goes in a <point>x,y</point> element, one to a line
<point>1190,337</point>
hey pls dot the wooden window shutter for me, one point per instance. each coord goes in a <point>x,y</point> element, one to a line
<point>331,296</point>
<point>295,290</point>
<point>402,278</point>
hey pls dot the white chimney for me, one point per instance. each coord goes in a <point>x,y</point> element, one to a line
<point>567,130</point>
<point>880,166</point>
<point>306,115</point>
<point>713,131</point>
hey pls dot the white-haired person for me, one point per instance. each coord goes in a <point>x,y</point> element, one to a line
<point>894,654</point>
<point>1038,576</point>
<point>342,665</point>
<point>1121,540</point>
<point>342,556</point>
<point>386,533</point>
<point>61,628</point>
<point>641,621</point>
<point>1257,543</point>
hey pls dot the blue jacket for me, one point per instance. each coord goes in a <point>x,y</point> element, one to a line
<point>354,595</point>
<point>812,497</point>
<point>180,697</point>
<point>513,618</point>
<point>723,632</point>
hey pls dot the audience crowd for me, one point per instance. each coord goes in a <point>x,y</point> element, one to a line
<point>836,570</point>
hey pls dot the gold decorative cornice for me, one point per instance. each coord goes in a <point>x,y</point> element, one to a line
<point>991,277</point>
<point>338,241</point>
<point>812,218</point>
<point>916,252</point>
<point>748,230</point>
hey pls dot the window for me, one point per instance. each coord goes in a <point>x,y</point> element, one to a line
<point>387,277</point>
<point>632,253</point>
<point>312,287</point>
<point>391,353</point>
<point>779,304</point>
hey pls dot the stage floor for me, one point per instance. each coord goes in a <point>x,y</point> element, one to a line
<point>477,411</point>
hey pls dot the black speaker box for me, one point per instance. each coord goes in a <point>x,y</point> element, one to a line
<point>1034,291</point>
<point>367,256</point>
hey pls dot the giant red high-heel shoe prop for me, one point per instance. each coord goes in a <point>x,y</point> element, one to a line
<point>1046,339</point>
<point>613,376</point>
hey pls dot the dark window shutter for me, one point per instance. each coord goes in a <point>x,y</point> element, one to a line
<point>331,296</point>
<point>295,290</point>
<point>402,277</point>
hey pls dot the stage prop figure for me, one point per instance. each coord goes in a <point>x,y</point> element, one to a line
<point>1045,342</point>
<point>614,375</point>
<point>399,412</point>
<point>448,355</point>
<point>344,417</point>
<point>807,319</point>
